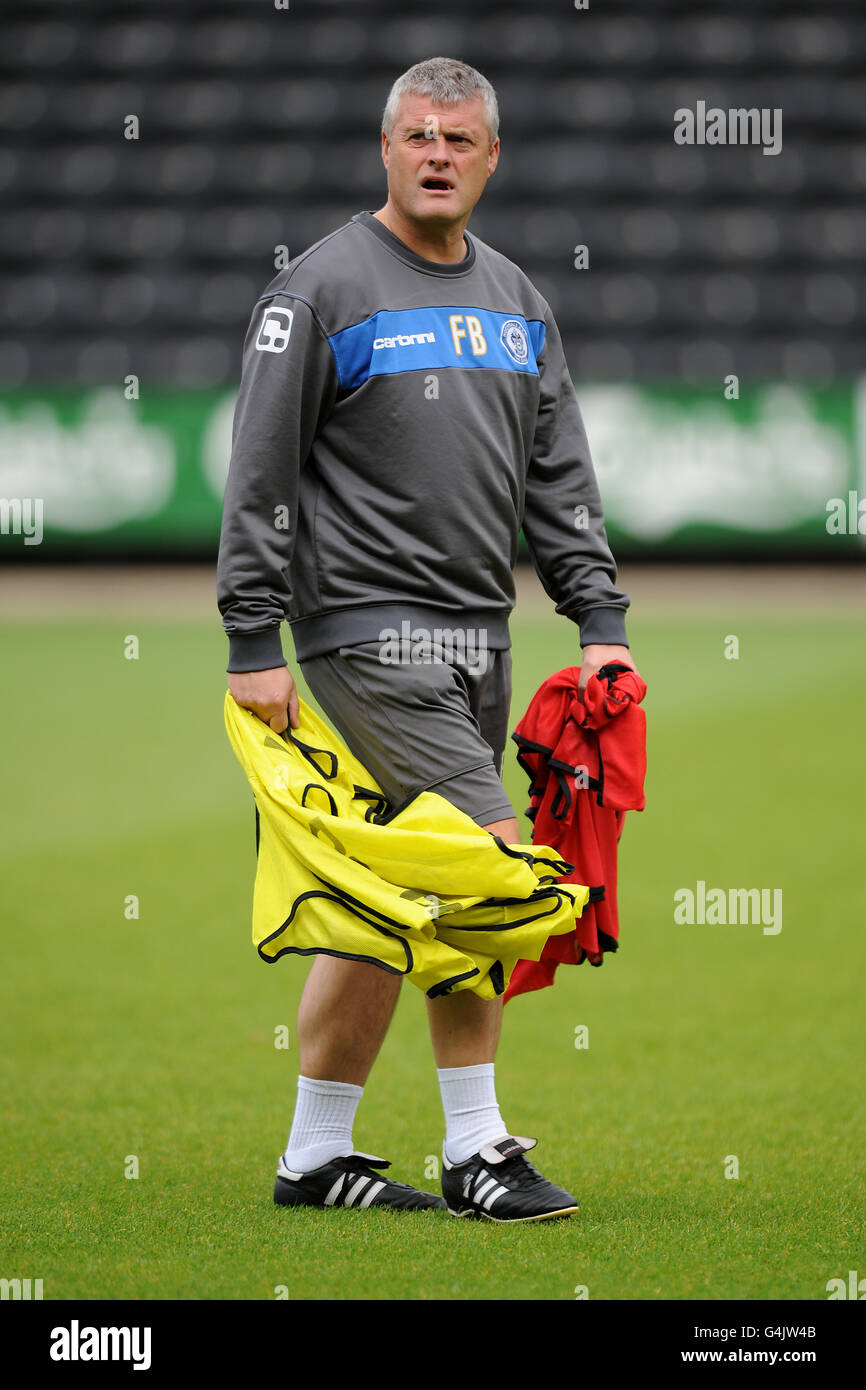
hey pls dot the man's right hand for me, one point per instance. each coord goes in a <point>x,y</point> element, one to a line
<point>269,694</point>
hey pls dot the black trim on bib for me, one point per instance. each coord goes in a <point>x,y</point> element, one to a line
<point>308,751</point>
<point>524,746</point>
<point>494,904</point>
<point>351,905</point>
<point>317,786</point>
<point>611,672</point>
<point>378,800</point>
<point>327,951</point>
<point>560,866</point>
<point>446,986</point>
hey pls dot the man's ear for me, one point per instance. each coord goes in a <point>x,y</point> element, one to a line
<point>493,157</point>
<point>385,149</point>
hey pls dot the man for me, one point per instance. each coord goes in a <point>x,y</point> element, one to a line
<point>405,406</point>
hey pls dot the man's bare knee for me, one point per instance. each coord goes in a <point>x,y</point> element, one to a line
<point>336,973</point>
<point>345,1011</point>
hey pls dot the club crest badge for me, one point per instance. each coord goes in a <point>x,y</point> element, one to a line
<point>514,339</point>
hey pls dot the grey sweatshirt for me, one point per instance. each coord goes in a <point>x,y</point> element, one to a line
<point>398,421</point>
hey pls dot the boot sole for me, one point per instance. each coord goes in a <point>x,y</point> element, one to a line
<point>512,1220</point>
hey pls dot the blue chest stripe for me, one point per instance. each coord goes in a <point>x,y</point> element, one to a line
<point>411,340</point>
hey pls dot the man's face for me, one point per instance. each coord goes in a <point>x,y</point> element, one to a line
<point>438,159</point>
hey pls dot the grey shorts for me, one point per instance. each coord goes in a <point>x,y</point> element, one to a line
<point>437,725</point>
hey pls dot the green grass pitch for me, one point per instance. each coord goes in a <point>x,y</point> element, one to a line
<point>154,1037</point>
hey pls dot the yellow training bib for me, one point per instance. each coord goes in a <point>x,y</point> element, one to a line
<point>425,892</point>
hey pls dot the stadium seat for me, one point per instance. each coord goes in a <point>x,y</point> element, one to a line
<point>259,130</point>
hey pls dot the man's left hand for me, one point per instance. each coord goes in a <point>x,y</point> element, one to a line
<point>594,657</point>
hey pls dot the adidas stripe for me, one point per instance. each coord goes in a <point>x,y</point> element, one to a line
<point>349,1187</point>
<point>487,1189</point>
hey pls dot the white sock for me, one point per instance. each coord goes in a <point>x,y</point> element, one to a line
<point>472,1115</point>
<point>322,1123</point>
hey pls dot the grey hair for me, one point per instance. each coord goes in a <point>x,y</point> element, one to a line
<point>446,81</point>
